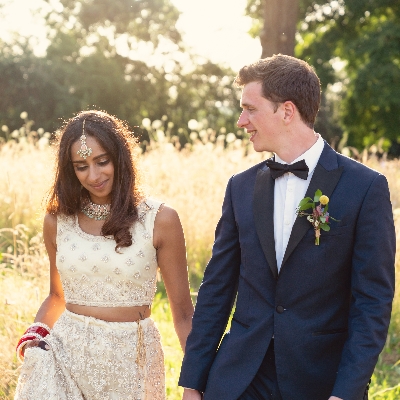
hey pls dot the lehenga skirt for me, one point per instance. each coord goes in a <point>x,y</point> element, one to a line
<point>92,359</point>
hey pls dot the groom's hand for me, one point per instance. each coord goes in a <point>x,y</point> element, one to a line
<point>191,394</point>
<point>334,398</point>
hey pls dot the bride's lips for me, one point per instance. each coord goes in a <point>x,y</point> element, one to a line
<point>100,185</point>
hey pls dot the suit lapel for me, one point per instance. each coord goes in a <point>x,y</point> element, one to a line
<point>326,176</point>
<point>263,206</point>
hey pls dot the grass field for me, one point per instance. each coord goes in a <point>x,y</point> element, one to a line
<point>193,182</point>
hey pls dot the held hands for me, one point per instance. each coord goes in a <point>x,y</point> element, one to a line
<point>191,394</point>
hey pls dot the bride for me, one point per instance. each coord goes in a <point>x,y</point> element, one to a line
<point>93,337</point>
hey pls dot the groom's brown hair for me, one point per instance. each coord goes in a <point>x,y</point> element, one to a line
<point>286,78</point>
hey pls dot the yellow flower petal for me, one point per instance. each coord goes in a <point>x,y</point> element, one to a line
<point>324,200</point>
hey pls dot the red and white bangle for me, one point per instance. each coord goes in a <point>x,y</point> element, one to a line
<point>37,330</point>
<point>41,325</point>
<point>20,347</point>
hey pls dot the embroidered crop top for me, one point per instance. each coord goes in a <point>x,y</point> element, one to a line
<point>94,274</point>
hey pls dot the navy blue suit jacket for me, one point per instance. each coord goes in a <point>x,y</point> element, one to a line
<point>328,308</point>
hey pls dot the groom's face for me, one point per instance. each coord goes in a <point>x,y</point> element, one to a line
<point>260,117</point>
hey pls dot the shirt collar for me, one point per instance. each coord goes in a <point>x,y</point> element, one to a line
<point>311,156</point>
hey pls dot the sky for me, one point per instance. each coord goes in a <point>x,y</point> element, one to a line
<point>216,29</point>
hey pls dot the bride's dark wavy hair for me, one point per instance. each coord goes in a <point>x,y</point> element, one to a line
<point>118,141</point>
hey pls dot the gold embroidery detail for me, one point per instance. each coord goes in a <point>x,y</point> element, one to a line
<point>134,368</point>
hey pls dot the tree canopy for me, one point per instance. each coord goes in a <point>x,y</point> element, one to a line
<point>354,46</point>
<point>93,61</point>
<point>365,36</point>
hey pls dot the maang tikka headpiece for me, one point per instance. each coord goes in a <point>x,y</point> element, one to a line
<point>84,151</point>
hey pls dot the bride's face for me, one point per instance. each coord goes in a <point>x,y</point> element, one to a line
<point>95,172</point>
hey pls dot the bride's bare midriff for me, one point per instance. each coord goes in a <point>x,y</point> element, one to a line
<point>111,314</point>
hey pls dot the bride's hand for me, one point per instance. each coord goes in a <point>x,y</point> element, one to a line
<point>29,343</point>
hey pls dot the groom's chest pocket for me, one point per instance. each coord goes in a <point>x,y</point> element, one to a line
<point>337,242</point>
<point>336,231</point>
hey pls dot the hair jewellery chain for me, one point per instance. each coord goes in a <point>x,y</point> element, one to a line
<point>84,151</point>
<point>90,209</point>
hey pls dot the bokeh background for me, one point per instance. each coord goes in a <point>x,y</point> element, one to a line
<point>167,67</point>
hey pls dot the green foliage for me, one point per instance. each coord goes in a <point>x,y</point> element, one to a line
<point>145,21</point>
<point>383,383</point>
<point>366,36</point>
<point>173,355</point>
<point>306,204</point>
<point>317,195</point>
<point>254,9</point>
<point>84,68</point>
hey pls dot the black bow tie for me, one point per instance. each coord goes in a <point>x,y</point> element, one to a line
<point>299,168</point>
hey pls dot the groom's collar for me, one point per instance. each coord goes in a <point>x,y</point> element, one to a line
<point>328,158</point>
<point>310,156</point>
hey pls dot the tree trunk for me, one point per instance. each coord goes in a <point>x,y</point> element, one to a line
<point>280,19</point>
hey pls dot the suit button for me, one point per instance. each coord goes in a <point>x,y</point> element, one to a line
<point>280,309</point>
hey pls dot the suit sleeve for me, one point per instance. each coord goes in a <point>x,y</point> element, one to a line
<point>372,285</point>
<point>215,299</point>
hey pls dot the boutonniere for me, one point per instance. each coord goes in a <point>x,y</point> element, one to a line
<point>319,217</point>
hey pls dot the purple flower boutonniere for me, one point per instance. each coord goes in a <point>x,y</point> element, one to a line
<point>319,217</point>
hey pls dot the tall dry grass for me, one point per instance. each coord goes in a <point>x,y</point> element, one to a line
<point>192,180</point>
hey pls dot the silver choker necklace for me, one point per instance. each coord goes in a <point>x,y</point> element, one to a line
<point>97,211</point>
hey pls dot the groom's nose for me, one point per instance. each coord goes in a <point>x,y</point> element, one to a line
<point>243,120</point>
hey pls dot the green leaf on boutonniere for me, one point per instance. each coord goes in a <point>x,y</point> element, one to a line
<point>319,216</point>
<point>305,201</point>
<point>317,195</point>
<point>305,204</point>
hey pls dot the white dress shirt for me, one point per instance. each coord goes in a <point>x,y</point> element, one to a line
<point>289,190</point>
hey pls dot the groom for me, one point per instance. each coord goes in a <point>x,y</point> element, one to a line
<point>309,321</point>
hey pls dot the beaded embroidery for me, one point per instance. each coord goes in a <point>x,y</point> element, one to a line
<point>106,278</point>
<point>94,360</point>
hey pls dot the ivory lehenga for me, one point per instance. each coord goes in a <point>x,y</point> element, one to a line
<point>91,358</point>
